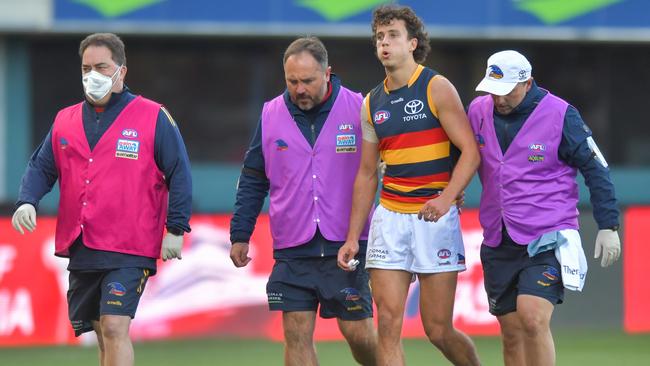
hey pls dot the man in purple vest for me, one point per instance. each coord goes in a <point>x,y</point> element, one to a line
<point>532,143</point>
<point>305,154</point>
<point>119,159</point>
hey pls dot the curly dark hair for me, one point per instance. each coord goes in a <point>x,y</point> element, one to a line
<point>384,14</point>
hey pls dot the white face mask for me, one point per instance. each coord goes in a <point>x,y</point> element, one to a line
<point>97,85</point>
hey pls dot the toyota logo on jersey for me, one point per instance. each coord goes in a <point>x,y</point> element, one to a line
<point>414,106</point>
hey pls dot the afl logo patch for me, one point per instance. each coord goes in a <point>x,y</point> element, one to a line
<point>130,133</point>
<point>444,253</point>
<point>381,117</point>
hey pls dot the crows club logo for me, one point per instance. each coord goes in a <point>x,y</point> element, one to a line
<point>351,294</point>
<point>495,72</point>
<point>281,145</point>
<point>551,273</point>
<point>116,288</point>
<point>480,140</point>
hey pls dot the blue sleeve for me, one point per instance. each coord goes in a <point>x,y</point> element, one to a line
<point>40,174</point>
<point>171,158</point>
<point>252,189</point>
<point>577,152</point>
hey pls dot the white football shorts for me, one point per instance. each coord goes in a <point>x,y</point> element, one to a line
<point>402,242</point>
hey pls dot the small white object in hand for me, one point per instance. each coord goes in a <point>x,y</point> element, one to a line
<point>353,263</point>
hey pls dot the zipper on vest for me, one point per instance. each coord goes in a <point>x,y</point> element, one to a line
<point>322,248</point>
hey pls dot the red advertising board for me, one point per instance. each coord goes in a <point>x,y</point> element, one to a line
<point>201,295</point>
<point>636,255</point>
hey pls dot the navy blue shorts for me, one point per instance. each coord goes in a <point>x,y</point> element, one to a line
<point>110,292</point>
<point>303,284</point>
<point>508,271</point>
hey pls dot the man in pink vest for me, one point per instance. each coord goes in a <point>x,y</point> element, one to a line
<point>304,155</point>
<point>120,161</point>
<point>532,143</point>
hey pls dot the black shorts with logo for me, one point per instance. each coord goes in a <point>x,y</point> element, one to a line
<point>302,284</point>
<point>108,292</point>
<point>508,271</point>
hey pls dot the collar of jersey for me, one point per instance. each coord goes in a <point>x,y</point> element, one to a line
<point>412,80</point>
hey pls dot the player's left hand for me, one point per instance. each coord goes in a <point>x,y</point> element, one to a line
<point>609,244</point>
<point>171,246</point>
<point>434,209</point>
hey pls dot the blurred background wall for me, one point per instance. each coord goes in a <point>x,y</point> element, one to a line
<point>214,63</point>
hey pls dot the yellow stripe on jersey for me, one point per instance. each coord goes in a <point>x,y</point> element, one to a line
<point>402,188</point>
<point>432,105</point>
<point>402,207</point>
<point>169,116</point>
<point>416,154</point>
<point>415,75</point>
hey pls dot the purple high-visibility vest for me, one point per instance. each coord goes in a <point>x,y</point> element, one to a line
<point>528,188</point>
<point>311,187</point>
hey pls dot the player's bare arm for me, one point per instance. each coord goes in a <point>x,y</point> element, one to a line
<point>455,123</point>
<point>365,188</point>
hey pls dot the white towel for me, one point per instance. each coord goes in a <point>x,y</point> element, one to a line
<point>572,259</point>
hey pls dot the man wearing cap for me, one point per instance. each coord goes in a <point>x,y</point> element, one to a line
<point>532,143</point>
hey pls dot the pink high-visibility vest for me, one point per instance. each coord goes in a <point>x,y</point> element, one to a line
<point>114,194</point>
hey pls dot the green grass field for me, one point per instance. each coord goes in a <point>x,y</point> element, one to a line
<point>591,348</point>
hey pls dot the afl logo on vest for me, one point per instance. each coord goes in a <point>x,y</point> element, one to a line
<point>130,133</point>
<point>381,117</point>
<point>413,109</point>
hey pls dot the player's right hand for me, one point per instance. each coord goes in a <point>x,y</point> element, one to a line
<point>346,253</point>
<point>239,254</point>
<point>25,216</point>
